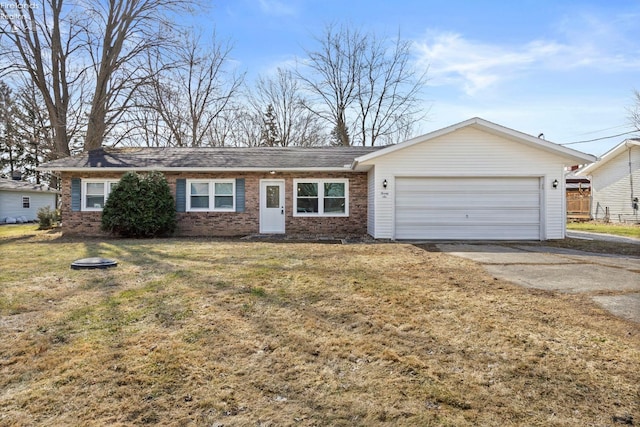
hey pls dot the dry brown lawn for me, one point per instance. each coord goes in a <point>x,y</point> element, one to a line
<point>234,333</point>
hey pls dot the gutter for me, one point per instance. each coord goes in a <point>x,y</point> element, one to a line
<point>346,168</point>
<point>634,200</point>
<point>32,190</point>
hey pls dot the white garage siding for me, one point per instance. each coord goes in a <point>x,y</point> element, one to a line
<point>371,205</point>
<point>468,208</point>
<point>471,150</point>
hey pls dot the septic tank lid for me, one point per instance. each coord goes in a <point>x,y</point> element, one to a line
<point>95,262</point>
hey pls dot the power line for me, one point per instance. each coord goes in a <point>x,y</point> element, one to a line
<point>599,139</point>
<point>604,130</point>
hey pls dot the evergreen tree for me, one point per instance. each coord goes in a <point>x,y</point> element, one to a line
<point>140,206</point>
<point>36,136</point>
<point>10,149</point>
<point>25,134</point>
<point>337,136</point>
<point>269,135</point>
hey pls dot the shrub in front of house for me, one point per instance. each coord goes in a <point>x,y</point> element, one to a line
<point>140,206</point>
<point>47,218</point>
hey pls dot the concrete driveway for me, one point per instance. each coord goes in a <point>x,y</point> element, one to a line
<point>612,281</point>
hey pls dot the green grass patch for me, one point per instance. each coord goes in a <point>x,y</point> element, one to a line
<point>625,230</point>
<point>18,230</point>
<point>258,292</point>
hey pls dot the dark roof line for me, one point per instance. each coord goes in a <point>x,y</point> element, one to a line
<point>212,158</point>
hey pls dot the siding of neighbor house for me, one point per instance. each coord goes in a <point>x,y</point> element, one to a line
<point>11,204</point>
<point>611,185</point>
<point>469,152</point>
<point>234,223</point>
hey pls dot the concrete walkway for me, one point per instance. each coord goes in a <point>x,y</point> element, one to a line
<point>612,280</point>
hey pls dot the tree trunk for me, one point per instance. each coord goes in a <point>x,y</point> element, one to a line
<point>96,127</point>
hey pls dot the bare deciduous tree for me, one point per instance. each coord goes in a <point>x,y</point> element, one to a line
<point>62,46</point>
<point>388,93</point>
<point>291,123</point>
<point>127,29</point>
<point>247,128</point>
<point>334,73</point>
<point>363,86</point>
<point>194,91</point>
<point>38,39</point>
<point>224,130</point>
<point>635,111</point>
<point>148,128</point>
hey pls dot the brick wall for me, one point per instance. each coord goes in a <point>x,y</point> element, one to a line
<point>79,223</point>
<point>220,224</point>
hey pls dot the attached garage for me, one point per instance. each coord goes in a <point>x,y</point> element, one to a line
<point>474,180</point>
<point>468,208</point>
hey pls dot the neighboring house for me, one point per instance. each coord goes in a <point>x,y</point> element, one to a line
<point>615,183</point>
<point>21,200</point>
<point>472,180</point>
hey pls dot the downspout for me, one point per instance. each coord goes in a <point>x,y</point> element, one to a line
<point>630,170</point>
<point>634,200</point>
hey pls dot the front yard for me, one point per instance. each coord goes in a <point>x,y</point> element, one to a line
<point>202,332</point>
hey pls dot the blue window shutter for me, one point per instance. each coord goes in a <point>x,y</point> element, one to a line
<point>76,194</point>
<point>181,195</point>
<point>240,198</point>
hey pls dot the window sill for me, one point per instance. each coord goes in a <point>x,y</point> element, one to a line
<point>318,215</point>
<point>211,210</point>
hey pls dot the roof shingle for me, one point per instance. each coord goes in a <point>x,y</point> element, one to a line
<point>217,158</point>
<point>23,186</point>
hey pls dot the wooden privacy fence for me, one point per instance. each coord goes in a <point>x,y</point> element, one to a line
<point>579,206</point>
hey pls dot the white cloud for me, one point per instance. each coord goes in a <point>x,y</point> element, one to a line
<point>454,60</point>
<point>475,66</point>
<point>276,8</point>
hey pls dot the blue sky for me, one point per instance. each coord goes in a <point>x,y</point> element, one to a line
<point>567,69</point>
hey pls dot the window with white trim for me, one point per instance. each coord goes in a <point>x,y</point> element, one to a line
<point>211,195</point>
<point>26,202</point>
<point>321,197</point>
<point>95,194</point>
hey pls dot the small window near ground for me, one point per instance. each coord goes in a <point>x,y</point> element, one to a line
<point>26,202</point>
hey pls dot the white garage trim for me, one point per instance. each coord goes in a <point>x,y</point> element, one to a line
<point>468,208</point>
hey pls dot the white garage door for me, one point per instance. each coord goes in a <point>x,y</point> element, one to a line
<point>468,208</point>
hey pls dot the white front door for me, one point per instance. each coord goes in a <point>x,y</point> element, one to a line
<point>272,215</point>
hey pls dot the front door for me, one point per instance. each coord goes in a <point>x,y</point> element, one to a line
<point>272,206</point>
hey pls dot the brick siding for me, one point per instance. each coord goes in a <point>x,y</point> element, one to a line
<point>228,224</point>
